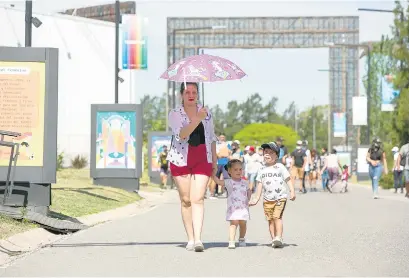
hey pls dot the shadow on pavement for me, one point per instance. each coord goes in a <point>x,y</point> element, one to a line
<point>208,245</point>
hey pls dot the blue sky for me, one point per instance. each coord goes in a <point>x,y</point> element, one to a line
<point>270,72</point>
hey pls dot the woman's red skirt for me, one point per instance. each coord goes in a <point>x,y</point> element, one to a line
<point>196,163</point>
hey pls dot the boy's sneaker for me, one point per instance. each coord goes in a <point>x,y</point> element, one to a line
<point>198,246</point>
<point>232,244</point>
<point>242,242</point>
<point>277,242</point>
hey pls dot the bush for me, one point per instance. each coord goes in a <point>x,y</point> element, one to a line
<point>60,161</point>
<point>79,162</point>
<point>386,181</point>
<point>259,133</point>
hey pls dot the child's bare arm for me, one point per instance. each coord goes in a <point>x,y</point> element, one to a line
<point>258,194</point>
<point>291,186</point>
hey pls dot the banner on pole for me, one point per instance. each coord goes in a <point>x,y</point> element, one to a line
<point>359,111</point>
<point>340,124</point>
<point>134,42</point>
<point>389,94</point>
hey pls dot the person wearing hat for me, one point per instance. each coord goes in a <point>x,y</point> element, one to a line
<point>253,164</point>
<point>272,179</point>
<point>376,159</point>
<point>283,150</point>
<point>397,170</point>
<point>299,161</point>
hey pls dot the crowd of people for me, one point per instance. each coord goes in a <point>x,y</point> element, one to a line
<point>200,162</point>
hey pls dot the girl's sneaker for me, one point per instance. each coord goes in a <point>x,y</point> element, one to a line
<point>277,242</point>
<point>232,245</point>
<point>190,246</point>
<point>242,242</point>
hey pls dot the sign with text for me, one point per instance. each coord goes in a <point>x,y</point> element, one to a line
<point>340,124</point>
<point>22,96</point>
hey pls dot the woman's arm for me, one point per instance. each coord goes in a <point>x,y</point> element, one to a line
<point>180,132</point>
<point>218,181</point>
<point>385,163</point>
<point>214,158</point>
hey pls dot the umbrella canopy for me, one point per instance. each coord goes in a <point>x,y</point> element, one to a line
<point>203,68</point>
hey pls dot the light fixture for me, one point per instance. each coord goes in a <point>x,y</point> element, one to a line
<point>36,22</point>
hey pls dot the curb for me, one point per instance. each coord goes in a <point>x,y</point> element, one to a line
<point>22,244</point>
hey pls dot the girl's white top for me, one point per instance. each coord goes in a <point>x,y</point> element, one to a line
<point>237,200</point>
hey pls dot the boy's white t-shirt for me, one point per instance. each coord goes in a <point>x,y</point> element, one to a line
<point>273,178</point>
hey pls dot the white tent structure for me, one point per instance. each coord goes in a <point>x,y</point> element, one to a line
<point>86,69</point>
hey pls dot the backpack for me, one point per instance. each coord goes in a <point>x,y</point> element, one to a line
<point>299,158</point>
<point>404,159</point>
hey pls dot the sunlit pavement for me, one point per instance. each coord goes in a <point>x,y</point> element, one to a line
<point>325,235</point>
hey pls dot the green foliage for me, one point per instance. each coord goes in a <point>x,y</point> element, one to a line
<point>391,56</point>
<point>79,162</point>
<point>386,181</point>
<point>306,118</point>
<point>60,160</point>
<point>259,133</point>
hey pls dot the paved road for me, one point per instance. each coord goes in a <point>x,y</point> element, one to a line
<point>325,235</point>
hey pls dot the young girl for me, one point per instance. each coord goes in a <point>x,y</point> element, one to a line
<point>344,178</point>
<point>238,197</point>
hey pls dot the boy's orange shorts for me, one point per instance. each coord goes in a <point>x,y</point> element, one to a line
<point>274,209</point>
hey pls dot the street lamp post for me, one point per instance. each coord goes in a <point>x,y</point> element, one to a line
<point>345,73</point>
<point>368,87</point>
<point>174,51</point>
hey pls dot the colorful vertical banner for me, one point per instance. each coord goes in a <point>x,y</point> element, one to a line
<point>134,42</point>
<point>359,111</point>
<point>389,94</point>
<point>340,125</point>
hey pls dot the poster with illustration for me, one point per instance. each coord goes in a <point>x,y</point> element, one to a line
<point>157,147</point>
<point>389,94</point>
<point>22,95</point>
<point>115,143</point>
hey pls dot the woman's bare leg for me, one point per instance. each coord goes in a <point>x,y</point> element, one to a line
<point>197,192</point>
<point>183,185</point>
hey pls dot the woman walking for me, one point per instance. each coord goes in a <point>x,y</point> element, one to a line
<point>332,164</point>
<point>193,160</point>
<point>377,163</point>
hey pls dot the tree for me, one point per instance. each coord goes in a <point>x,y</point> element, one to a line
<point>321,125</point>
<point>153,114</point>
<point>259,133</point>
<point>391,56</point>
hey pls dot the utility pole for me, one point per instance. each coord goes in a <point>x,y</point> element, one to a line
<point>117,20</point>
<point>28,23</point>
<point>295,120</point>
<point>314,139</point>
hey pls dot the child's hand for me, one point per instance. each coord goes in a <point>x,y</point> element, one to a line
<point>292,195</point>
<point>252,203</point>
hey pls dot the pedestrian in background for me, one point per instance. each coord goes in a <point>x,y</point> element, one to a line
<point>376,159</point>
<point>397,171</point>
